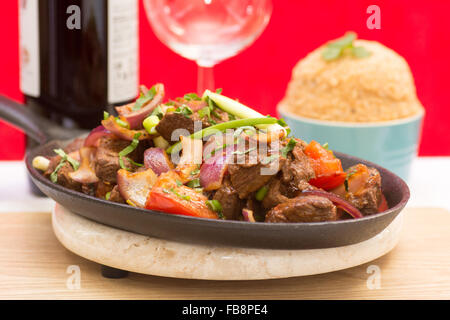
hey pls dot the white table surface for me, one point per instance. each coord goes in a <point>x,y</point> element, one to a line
<point>429,184</point>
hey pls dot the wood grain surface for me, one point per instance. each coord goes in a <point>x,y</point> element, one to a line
<point>34,265</point>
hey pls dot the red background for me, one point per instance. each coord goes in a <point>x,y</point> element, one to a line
<point>418,30</point>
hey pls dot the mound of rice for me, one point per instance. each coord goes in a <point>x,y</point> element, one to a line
<point>375,88</point>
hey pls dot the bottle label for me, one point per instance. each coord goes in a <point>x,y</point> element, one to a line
<point>30,81</point>
<point>122,50</point>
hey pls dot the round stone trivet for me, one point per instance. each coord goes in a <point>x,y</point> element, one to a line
<point>137,253</point>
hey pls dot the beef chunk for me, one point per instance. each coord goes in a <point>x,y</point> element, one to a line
<point>103,188</point>
<point>107,158</point>
<point>229,199</point>
<point>368,198</point>
<point>115,195</point>
<point>297,170</point>
<point>173,121</point>
<point>275,195</point>
<point>247,178</point>
<point>176,120</point>
<point>64,179</point>
<point>88,188</point>
<point>303,209</point>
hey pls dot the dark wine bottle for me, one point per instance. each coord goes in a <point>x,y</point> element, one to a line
<point>78,57</point>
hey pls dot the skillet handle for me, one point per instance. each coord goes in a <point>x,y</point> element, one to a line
<point>35,126</point>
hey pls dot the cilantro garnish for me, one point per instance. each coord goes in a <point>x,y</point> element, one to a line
<point>288,148</point>
<point>144,98</point>
<point>336,48</point>
<point>64,158</point>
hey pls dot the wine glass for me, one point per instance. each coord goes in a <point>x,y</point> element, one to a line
<point>208,31</point>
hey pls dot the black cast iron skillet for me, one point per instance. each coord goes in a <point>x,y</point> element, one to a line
<point>198,230</point>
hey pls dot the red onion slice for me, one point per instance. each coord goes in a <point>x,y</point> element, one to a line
<point>135,118</point>
<point>95,135</point>
<point>337,201</point>
<point>121,132</point>
<point>135,186</point>
<point>214,168</point>
<point>157,160</point>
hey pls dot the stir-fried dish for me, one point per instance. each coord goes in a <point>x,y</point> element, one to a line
<point>212,157</point>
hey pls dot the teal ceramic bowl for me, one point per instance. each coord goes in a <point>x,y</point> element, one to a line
<point>391,144</point>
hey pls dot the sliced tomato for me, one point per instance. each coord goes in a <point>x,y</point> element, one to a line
<point>327,168</point>
<point>169,197</point>
<point>328,182</point>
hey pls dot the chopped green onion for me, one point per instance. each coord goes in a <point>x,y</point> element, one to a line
<point>219,90</point>
<point>160,142</point>
<point>282,122</point>
<point>223,127</point>
<point>108,195</point>
<point>122,123</point>
<point>204,112</point>
<point>232,106</point>
<point>105,115</point>
<point>194,183</point>
<point>133,162</point>
<point>128,150</point>
<point>158,112</point>
<point>261,193</point>
<point>325,146</point>
<point>178,182</point>
<point>150,123</point>
<point>215,206</point>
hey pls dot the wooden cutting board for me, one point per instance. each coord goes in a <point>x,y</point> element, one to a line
<point>34,265</point>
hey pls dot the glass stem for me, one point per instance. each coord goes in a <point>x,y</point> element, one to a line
<point>205,79</point>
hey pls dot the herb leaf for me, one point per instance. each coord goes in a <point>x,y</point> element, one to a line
<point>191,96</point>
<point>336,48</point>
<point>64,157</point>
<point>331,53</point>
<point>144,99</point>
<point>288,148</point>
<point>184,110</point>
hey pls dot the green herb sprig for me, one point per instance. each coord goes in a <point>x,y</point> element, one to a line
<point>64,158</point>
<point>335,49</point>
<point>288,148</point>
<point>144,98</point>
